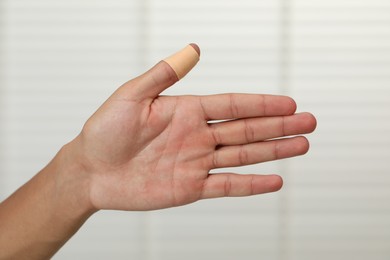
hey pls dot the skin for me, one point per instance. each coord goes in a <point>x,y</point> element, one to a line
<point>144,151</point>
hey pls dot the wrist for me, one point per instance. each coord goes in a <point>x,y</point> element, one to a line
<point>72,180</point>
<point>45,212</point>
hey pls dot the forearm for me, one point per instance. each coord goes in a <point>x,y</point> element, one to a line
<point>44,213</point>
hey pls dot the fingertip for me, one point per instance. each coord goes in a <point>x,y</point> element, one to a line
<point>302,145</point>
<point>306,122</point>
<point>266,183</point>
<point>312,121</point>
<point>290,106</point>
<point>279,105</point>
<point>276,182</point>
<point>196,47</point>
<point>293,105</point>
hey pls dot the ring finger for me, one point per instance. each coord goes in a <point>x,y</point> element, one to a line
<point>240,155</point>
<point>250,130</point>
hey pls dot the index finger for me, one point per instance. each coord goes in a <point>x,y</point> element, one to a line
<point>234,106</point>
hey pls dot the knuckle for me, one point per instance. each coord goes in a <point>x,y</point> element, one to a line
<point>243,156</point>
<point>227,186</point>
<point>216,136</point>
<point>249,132</point>
<point>215,160</point>
<point>233,106</point>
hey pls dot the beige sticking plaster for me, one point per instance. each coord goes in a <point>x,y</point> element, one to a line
<point>183,61</point>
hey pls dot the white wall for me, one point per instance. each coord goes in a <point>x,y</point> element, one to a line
<point>61,59</point>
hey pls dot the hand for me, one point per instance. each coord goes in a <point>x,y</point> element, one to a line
<point>142,151</point>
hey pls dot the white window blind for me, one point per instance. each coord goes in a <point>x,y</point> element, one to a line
<point>340,69</point>
<point>61,59</point>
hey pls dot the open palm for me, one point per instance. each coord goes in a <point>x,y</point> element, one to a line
<point>144,151</point>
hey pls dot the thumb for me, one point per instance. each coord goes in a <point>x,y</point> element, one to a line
<point>164,74</point>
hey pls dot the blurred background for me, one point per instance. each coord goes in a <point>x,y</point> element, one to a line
<point>61,59</point>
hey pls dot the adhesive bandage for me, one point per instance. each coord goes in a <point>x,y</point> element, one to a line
<point>183,61</point>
